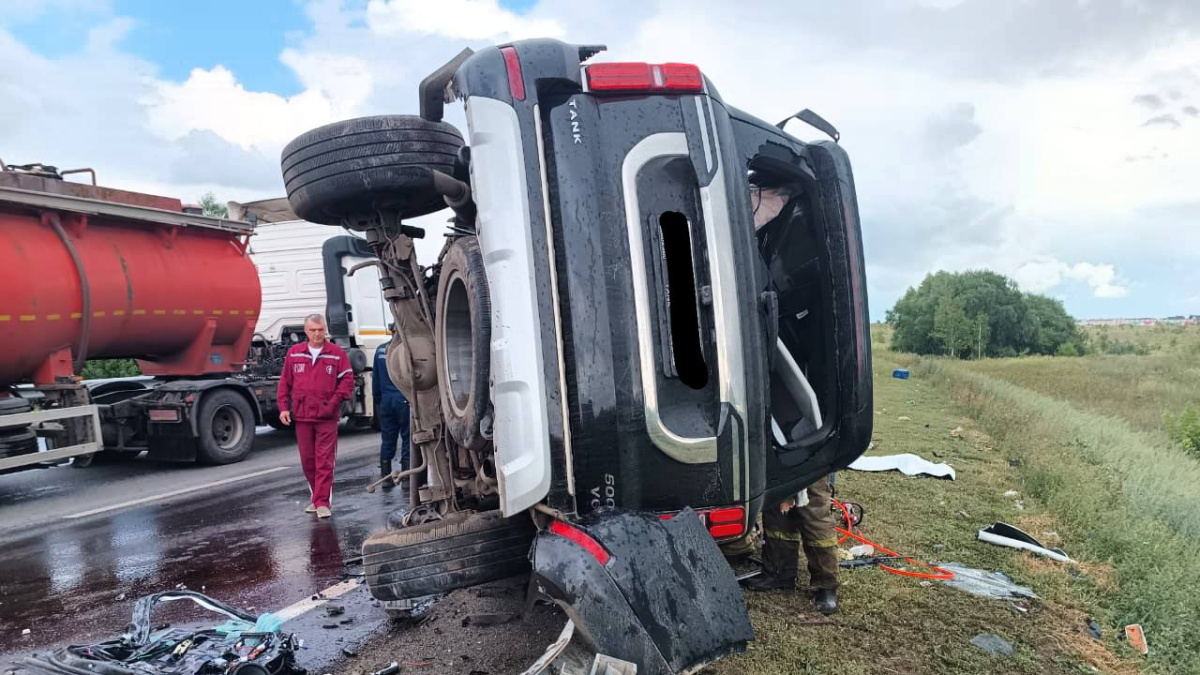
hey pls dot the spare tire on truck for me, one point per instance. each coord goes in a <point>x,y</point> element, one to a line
<point>464,340</point>
<point>361,166</point>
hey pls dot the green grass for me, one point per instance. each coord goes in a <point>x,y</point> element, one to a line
<point>891,624</point>
<point>1137,389</point>
<point>1121,496</point>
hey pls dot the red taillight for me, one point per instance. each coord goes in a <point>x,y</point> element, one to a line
<point>724,531</point>
<point>681,76</point>
<point>723,516</point>
<point>516,82</point>
<point>729,522</point>
<point>675,77</point>
<point>580,537</point>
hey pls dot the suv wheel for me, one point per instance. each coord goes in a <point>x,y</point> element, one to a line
<point>461,550</point>
<point>369,164</point>
<point>464,337</point>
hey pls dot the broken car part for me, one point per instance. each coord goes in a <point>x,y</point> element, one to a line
<point>1003,534</point>
<point>245,645</point>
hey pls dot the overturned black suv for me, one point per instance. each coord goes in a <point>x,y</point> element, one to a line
<point>606,339</point>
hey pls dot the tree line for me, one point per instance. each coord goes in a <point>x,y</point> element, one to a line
<point>980,314</point>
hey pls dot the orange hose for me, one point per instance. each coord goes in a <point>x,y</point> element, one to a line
<point>848,533</point>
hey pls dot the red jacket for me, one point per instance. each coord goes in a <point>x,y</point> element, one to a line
<point>315,391</point>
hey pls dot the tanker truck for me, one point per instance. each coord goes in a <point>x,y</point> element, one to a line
<point>91,272</point>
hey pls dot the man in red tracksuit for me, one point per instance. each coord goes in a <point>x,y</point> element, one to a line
<point>317,378</point>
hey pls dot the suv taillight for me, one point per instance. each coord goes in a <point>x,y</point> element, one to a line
<point>720,523</point>
<point>665,77</point>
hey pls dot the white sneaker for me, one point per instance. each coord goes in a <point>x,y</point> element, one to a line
<point>310,509</point>
<point>323,512</point>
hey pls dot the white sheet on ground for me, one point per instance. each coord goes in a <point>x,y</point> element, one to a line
<point>907,464</point>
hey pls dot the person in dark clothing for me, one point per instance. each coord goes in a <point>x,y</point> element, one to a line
<point>789,526</point>
<point>392,410</point>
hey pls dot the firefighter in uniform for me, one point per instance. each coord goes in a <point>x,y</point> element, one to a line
<point>317,379</point>
<point>790,527</point>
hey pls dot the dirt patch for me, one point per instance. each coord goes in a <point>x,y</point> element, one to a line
<point>449,640</point>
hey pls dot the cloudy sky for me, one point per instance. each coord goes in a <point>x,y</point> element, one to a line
<point>1056,141</point>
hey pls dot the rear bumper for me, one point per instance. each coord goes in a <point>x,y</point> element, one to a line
<point>665,599</point>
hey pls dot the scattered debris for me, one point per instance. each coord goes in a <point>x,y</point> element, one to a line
<point>488,619</point>
<point>329,625</point>
<point>957,432</point>
<point>424,663</point>
<point>245,643</point>
<point>1019,608</point>
<point>1015,463</point>
<point>993,585</point>
<point>939,547</point>
<point>962,514</point>
<point>870,562</point>
<point>1093,628</point>
<point>1019,504</point>
<point>993,644</point>
<point>390,669</point>
<point>1137,638</point>
<point>906,463</point>
<point>1003,534</point>
<point>904,418</point>
<point>900,373</point>
<point>1012,494</point>
<point>26,632</point>
<point>862,551</point>
<point>335,610</point>
<point>121,598</point>
<point>349,652</point>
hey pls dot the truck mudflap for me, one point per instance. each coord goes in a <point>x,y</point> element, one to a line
<point>654,592</point>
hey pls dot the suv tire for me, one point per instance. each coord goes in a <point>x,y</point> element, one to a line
<point>369,164</point>
<point>464,549</point>
<point>464,342</point>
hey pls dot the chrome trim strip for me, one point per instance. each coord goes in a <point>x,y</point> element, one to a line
<point>686,450</point>
<point>558,338</point>
<point>704,133</point>
<point>714,204</point>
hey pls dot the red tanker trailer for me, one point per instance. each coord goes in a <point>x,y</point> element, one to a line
<point>88,272</point>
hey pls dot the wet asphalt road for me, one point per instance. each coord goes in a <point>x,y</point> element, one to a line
<point>78,546</point>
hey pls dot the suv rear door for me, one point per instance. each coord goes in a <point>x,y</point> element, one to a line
<point>821,388</point>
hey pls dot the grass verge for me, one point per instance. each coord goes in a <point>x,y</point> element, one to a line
<point>891,624</point>
<point>1119,495</point>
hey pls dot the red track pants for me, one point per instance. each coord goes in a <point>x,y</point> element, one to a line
<point>318,455</point>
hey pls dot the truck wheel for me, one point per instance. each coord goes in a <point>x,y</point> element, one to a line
<point>463,549</point>
<point>464,341</point>
<point>226,426</point>
<point>362,166</point>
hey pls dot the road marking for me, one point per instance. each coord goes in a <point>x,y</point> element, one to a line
<point>312,602</point>
<point>174,493</point>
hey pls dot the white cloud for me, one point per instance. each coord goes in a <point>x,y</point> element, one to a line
<point>1039,276</point>
<point>457,19</point>
<point>213,100</point>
